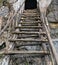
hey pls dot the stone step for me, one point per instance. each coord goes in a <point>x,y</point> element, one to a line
<point>30,13</point>
<point>31,10</point>
<point>28,40</point>
<point>28,44</point>
<point>39,27</point>
<point>23,15</point>
<point>28,36</point>
<point>26,16</point>
<point>37,18</point>
<point>29,22</point>
<point>29,30</point>
<point>40,33</point>
<point>30,17</point>
<point>40,53</point>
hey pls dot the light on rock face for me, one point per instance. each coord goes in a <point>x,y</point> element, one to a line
<point>43,5</point>
<point>17,4</point>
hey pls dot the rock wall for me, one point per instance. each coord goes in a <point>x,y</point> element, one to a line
<point>53,14</point>
<point>17,5</point>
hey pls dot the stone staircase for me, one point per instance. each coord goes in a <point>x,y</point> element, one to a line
<point>30,39</point>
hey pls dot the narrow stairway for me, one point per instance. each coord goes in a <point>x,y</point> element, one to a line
<point>31,44</point>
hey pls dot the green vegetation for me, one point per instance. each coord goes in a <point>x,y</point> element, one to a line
<point>1,1</point>
<point>26,64</point>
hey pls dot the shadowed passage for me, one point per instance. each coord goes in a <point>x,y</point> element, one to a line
<point>30,4</point>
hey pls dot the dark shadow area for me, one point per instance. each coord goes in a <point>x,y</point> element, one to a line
<point>2,45</point>
<point>30,4</point>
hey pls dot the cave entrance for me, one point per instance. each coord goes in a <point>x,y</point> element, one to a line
<point>30,4</point>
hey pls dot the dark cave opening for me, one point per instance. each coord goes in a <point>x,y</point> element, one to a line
<point>30,4</point>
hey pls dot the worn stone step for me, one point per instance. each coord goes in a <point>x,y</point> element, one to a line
<point>29,30</point>
<point>25,36</point>
<point>23,15</point>
<point>29,22</point>
<point>30,17</point>
<point>28,36</point>
<point>15,32</point>
<point>40,53</point>
<point>31,10</point>
<point>28,40</point>
<point>39,27</point>
<point>37,18</point>
<point>28,44</point>
<point>30,13</point>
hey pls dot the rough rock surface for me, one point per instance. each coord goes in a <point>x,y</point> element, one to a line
<point>53,16</point>
<point>12,1</point>
<point>4,11</point>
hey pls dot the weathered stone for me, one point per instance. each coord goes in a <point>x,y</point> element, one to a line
<point>53,16</point>
<point>4,11</point>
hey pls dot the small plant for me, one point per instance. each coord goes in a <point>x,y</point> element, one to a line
<point>26,63</point>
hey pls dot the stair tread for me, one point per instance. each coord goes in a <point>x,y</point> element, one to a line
<point>29,18</point>
<point>28,36</point>
<point>28,40</point>
<point>30,12</point>
<point>16,32</point>
<point>24,52</point>
<point>28,24</point>
<point>29,15</point>
<point>28,44</point>
<point>31,22</point>
<point>29,27</point>
<point>34,11</point>
<point>28,30</point>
